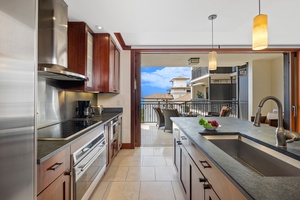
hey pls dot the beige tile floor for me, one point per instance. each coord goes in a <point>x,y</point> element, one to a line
<point>145,173</point>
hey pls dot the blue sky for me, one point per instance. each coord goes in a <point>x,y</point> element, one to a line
<point>157,79</point>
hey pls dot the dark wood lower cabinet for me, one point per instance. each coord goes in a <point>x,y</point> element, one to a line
<point>184,170</point>
<point>197,180</point>
<point>53,177</point>
<point>198,176</point>
<point>58,190</point>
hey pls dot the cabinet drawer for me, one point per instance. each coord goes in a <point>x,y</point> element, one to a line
<point>52,168</point>
<point>220,183</point>
<point>58,190</point>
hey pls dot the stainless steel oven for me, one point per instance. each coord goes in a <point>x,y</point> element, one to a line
<point>113,131</point>
<point>89,164</point>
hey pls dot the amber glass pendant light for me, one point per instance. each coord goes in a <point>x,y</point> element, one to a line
<point>260,31</point>
<point>212,62</point>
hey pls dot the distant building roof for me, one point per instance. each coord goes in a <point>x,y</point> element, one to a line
<point>186,97</point>
<point>179,78</point>
<point>159,96</point>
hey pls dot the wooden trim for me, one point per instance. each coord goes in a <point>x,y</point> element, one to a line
<point>133,100</point>
<point>127,146</point>
<point>200,50</point>
<point>293,92</point>
<point>122,42</point>
<point>297,96</point>
<point>138,99</point>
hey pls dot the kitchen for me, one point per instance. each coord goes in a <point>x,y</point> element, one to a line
<point>19,107</point>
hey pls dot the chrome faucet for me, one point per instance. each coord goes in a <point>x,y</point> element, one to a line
<point>282,136</point>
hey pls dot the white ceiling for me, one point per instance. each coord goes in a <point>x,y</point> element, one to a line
<point>184,23</point>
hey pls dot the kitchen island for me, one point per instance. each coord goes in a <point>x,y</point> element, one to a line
<point>252,184</point>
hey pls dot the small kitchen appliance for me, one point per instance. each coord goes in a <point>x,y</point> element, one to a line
<point>84,109</point>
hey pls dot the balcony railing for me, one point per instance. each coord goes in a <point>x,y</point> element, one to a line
<point>199,107</point>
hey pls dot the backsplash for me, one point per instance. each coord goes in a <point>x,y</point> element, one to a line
<point>55,104</point>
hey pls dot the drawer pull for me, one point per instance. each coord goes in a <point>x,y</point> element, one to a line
<point>179,142</point>
<point>183,138</point>
<point>55,166</point>
<point>206,186</point>
<point>68,173</point>
<point>202,179</point>
<point>205,164</point>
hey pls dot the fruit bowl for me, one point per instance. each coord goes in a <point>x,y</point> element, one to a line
<point>210,125</point>
<point>211,128</point>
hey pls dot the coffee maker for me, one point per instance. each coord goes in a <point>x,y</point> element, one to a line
<point>84,109</point>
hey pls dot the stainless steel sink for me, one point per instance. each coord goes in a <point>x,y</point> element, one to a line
<point>257,157</point>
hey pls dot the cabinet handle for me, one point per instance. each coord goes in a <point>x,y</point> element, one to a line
<point>183,138</point>
<point>68,173</point>
<point>205,164</point>
<point>179,142</point>
<point>202,179</point>
<point>55,166</point>
<point>206,186</point>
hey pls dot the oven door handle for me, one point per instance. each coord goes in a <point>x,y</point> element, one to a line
<point>83,168</point>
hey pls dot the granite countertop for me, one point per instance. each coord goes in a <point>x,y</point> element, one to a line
<point>48,148</point>
<point>259,187</point>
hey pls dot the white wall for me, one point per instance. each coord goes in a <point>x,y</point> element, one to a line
<point>277,84</point>
<point>265,79</point>
<point>123,98</point>
<point>179,83</point>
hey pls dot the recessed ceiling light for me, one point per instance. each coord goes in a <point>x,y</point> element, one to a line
<point>98,27</point>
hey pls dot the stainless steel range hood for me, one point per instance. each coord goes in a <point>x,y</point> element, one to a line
<point>53,41</point>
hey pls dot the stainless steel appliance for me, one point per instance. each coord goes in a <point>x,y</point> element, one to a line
<point>17,103</point>
<point>53,41</point>
<point>113,129</point>
<point>85,109</point>
<point>89,164</point>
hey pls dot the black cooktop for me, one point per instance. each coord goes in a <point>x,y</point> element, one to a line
<point>64,130</point>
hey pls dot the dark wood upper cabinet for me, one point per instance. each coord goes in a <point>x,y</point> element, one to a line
<point>106,64</point>
<point>80,53</point>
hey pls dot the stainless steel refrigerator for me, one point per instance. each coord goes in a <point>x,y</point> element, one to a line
<point>18,69</point>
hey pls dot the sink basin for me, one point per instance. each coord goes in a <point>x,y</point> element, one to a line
<point>257,157</point>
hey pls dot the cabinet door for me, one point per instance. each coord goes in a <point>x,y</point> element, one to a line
<point>89,61</point>
<point>176,148</point>
<point>176,154</point>
<point>185,171</point>
<point>111,66</point>
<point>80,54</point>
<point>211,195</point>
<point>58,190</point>
<point>106,63</point>
<point>117,72</point>
<point>197,183</point>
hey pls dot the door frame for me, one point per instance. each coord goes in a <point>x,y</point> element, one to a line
<point>136,82</point>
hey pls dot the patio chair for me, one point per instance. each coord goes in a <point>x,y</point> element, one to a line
<point>160,117</point>
<point>168,113</point>
<point>225,112</point>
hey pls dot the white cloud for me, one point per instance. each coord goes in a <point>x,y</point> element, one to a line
<point>161,78</point>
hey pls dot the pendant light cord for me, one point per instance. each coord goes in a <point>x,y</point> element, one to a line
<point>212,33</point>
<point>212,17</point>
<point>259,7</point>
